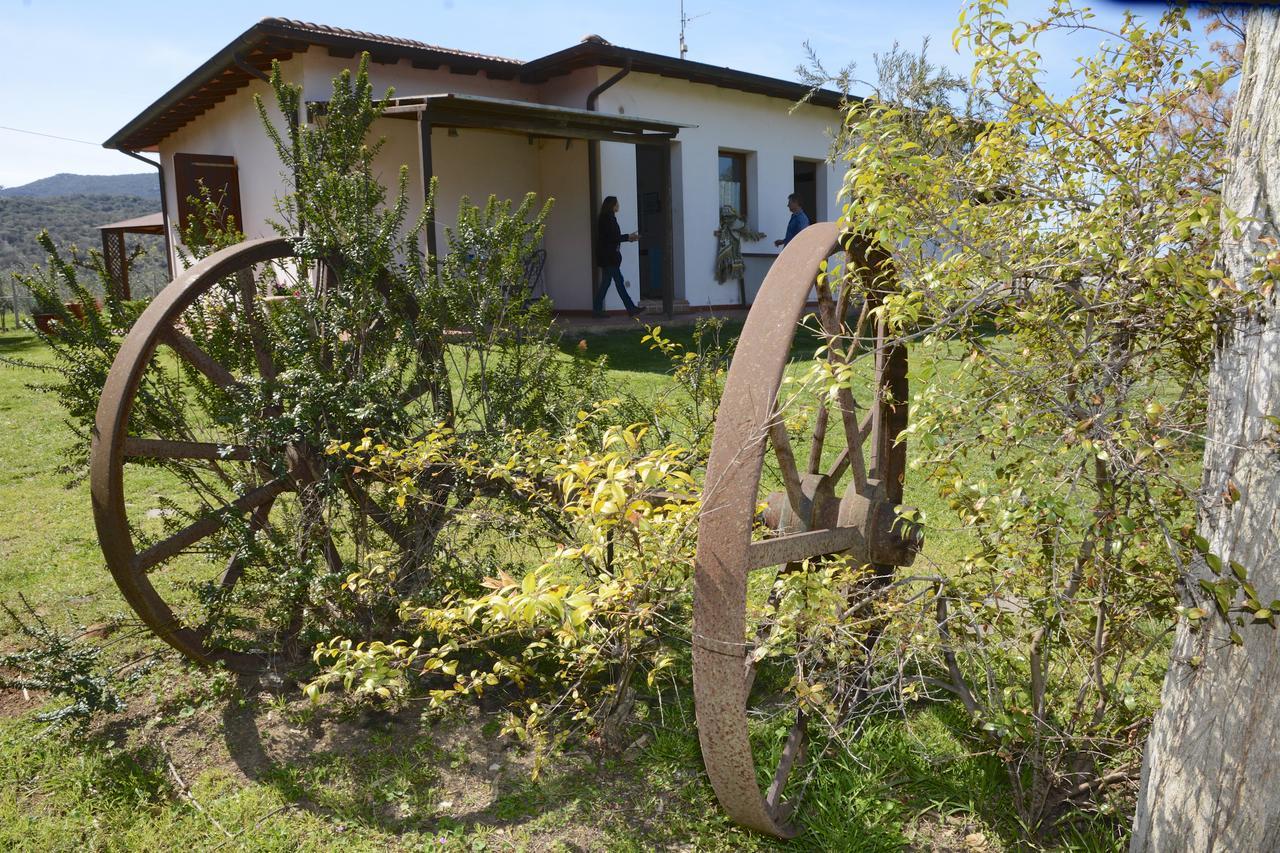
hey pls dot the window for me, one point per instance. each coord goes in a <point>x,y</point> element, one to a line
<point>216,172</point>
<point>733,182</point>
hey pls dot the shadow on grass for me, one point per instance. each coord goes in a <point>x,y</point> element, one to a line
<point>18,343</point>
<point>899,787</point>
<point>907,783</point>
<point>398,774</point>
<point>625,351</point>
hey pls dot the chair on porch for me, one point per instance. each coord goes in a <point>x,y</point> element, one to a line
<point>534,284</point>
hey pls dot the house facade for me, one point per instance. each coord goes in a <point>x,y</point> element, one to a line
<point>672,139</point>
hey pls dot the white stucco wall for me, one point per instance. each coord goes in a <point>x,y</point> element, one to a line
<point>477,163</point>
<point>233,128</point>
<point>399,148</point>
<point>726,119</point>
<point>562,175</point>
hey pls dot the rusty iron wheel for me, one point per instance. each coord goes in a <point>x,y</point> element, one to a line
<point>249,482</point>
<point>848,507</point>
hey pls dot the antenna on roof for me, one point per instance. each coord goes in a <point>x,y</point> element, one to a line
<point>685,20</point>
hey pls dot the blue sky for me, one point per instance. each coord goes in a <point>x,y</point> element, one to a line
<point>83,69</point>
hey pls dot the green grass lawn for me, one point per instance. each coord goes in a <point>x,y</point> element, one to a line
<point>204,761</point>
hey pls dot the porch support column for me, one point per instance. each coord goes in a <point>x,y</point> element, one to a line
<point>668,222</point>
<point>115,258</point>
<point>424,149</point>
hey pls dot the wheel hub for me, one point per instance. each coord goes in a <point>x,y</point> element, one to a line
<point>890,536</point>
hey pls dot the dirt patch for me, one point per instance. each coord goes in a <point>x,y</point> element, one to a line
<point>934,833</point>
<point>400,771</point>
<point>16,703</point>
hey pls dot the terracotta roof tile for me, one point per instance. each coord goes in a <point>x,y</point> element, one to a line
<point>306,27</point>
<point>279,38</point>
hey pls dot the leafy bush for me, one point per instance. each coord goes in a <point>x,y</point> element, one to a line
<point>84,346</point>
<point>1082,231</point>
<point>586,597</point>
<point>61,666</point>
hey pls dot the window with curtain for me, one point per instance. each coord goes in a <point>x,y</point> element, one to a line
<point>733,181</point>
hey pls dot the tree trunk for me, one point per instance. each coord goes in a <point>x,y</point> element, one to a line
<point>1211,776</point>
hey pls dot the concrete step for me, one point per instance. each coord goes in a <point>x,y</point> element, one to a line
<point>654,306</point>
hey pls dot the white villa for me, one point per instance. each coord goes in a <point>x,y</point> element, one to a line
<point>673,139</point>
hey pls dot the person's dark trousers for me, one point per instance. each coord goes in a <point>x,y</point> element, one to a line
<point>613,274</point>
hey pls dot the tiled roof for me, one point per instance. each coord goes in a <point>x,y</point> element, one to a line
<point>271,39</point>
<point>306,27</point>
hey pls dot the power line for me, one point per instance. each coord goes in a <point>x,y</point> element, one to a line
<point>51,136</point>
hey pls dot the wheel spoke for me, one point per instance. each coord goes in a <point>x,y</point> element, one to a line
<point>257,334</point>
<point>795,547</point>
<point>156,448</point>
<point>832,319</point>
<point>368,506</point>
<point>888,455</point>
<point>235,566</point>
<point>819,435</point>
<point>792,752</point>
<point>827,320</point>
<point>837,469</point>
<point>422,385</point>
<point>787,464</point>
<point>854,436</point>
<point>207,525</point>
<point>198,358</point>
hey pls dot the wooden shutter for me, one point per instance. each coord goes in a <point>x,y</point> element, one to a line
<point>215,171</point>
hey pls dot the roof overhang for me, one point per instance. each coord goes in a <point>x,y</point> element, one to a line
<point>152,223</point>
<point>249,56</point>
<point>535,120</point>
<point>593,53</point>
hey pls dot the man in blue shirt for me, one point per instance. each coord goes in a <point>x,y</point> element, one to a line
<point>798,222</point>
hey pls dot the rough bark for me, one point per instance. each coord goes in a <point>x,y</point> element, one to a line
<point>1211,776</point>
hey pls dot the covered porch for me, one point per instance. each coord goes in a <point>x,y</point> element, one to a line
<point>477,146</point>
<point>115,249</point>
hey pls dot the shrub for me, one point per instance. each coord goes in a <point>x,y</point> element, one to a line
<point>1080,230</point>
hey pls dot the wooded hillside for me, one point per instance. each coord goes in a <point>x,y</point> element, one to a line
<point>74,220</point>
<point>142,185</point>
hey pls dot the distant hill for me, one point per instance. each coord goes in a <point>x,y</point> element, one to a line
<point>74,220</point>
<point>141,185</point>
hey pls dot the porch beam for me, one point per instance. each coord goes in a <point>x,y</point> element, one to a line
<point>553,131</point>
<point>543,130</point>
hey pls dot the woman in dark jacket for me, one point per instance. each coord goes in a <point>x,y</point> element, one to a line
<point>609,240</point>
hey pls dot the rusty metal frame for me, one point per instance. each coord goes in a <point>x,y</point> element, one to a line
<point>867,526</point>
<point>112,444</point>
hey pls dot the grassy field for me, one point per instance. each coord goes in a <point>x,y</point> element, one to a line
<point>201,760</point>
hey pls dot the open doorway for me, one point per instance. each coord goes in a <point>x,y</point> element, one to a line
<point>805,181</point>
<point>653,204</point>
